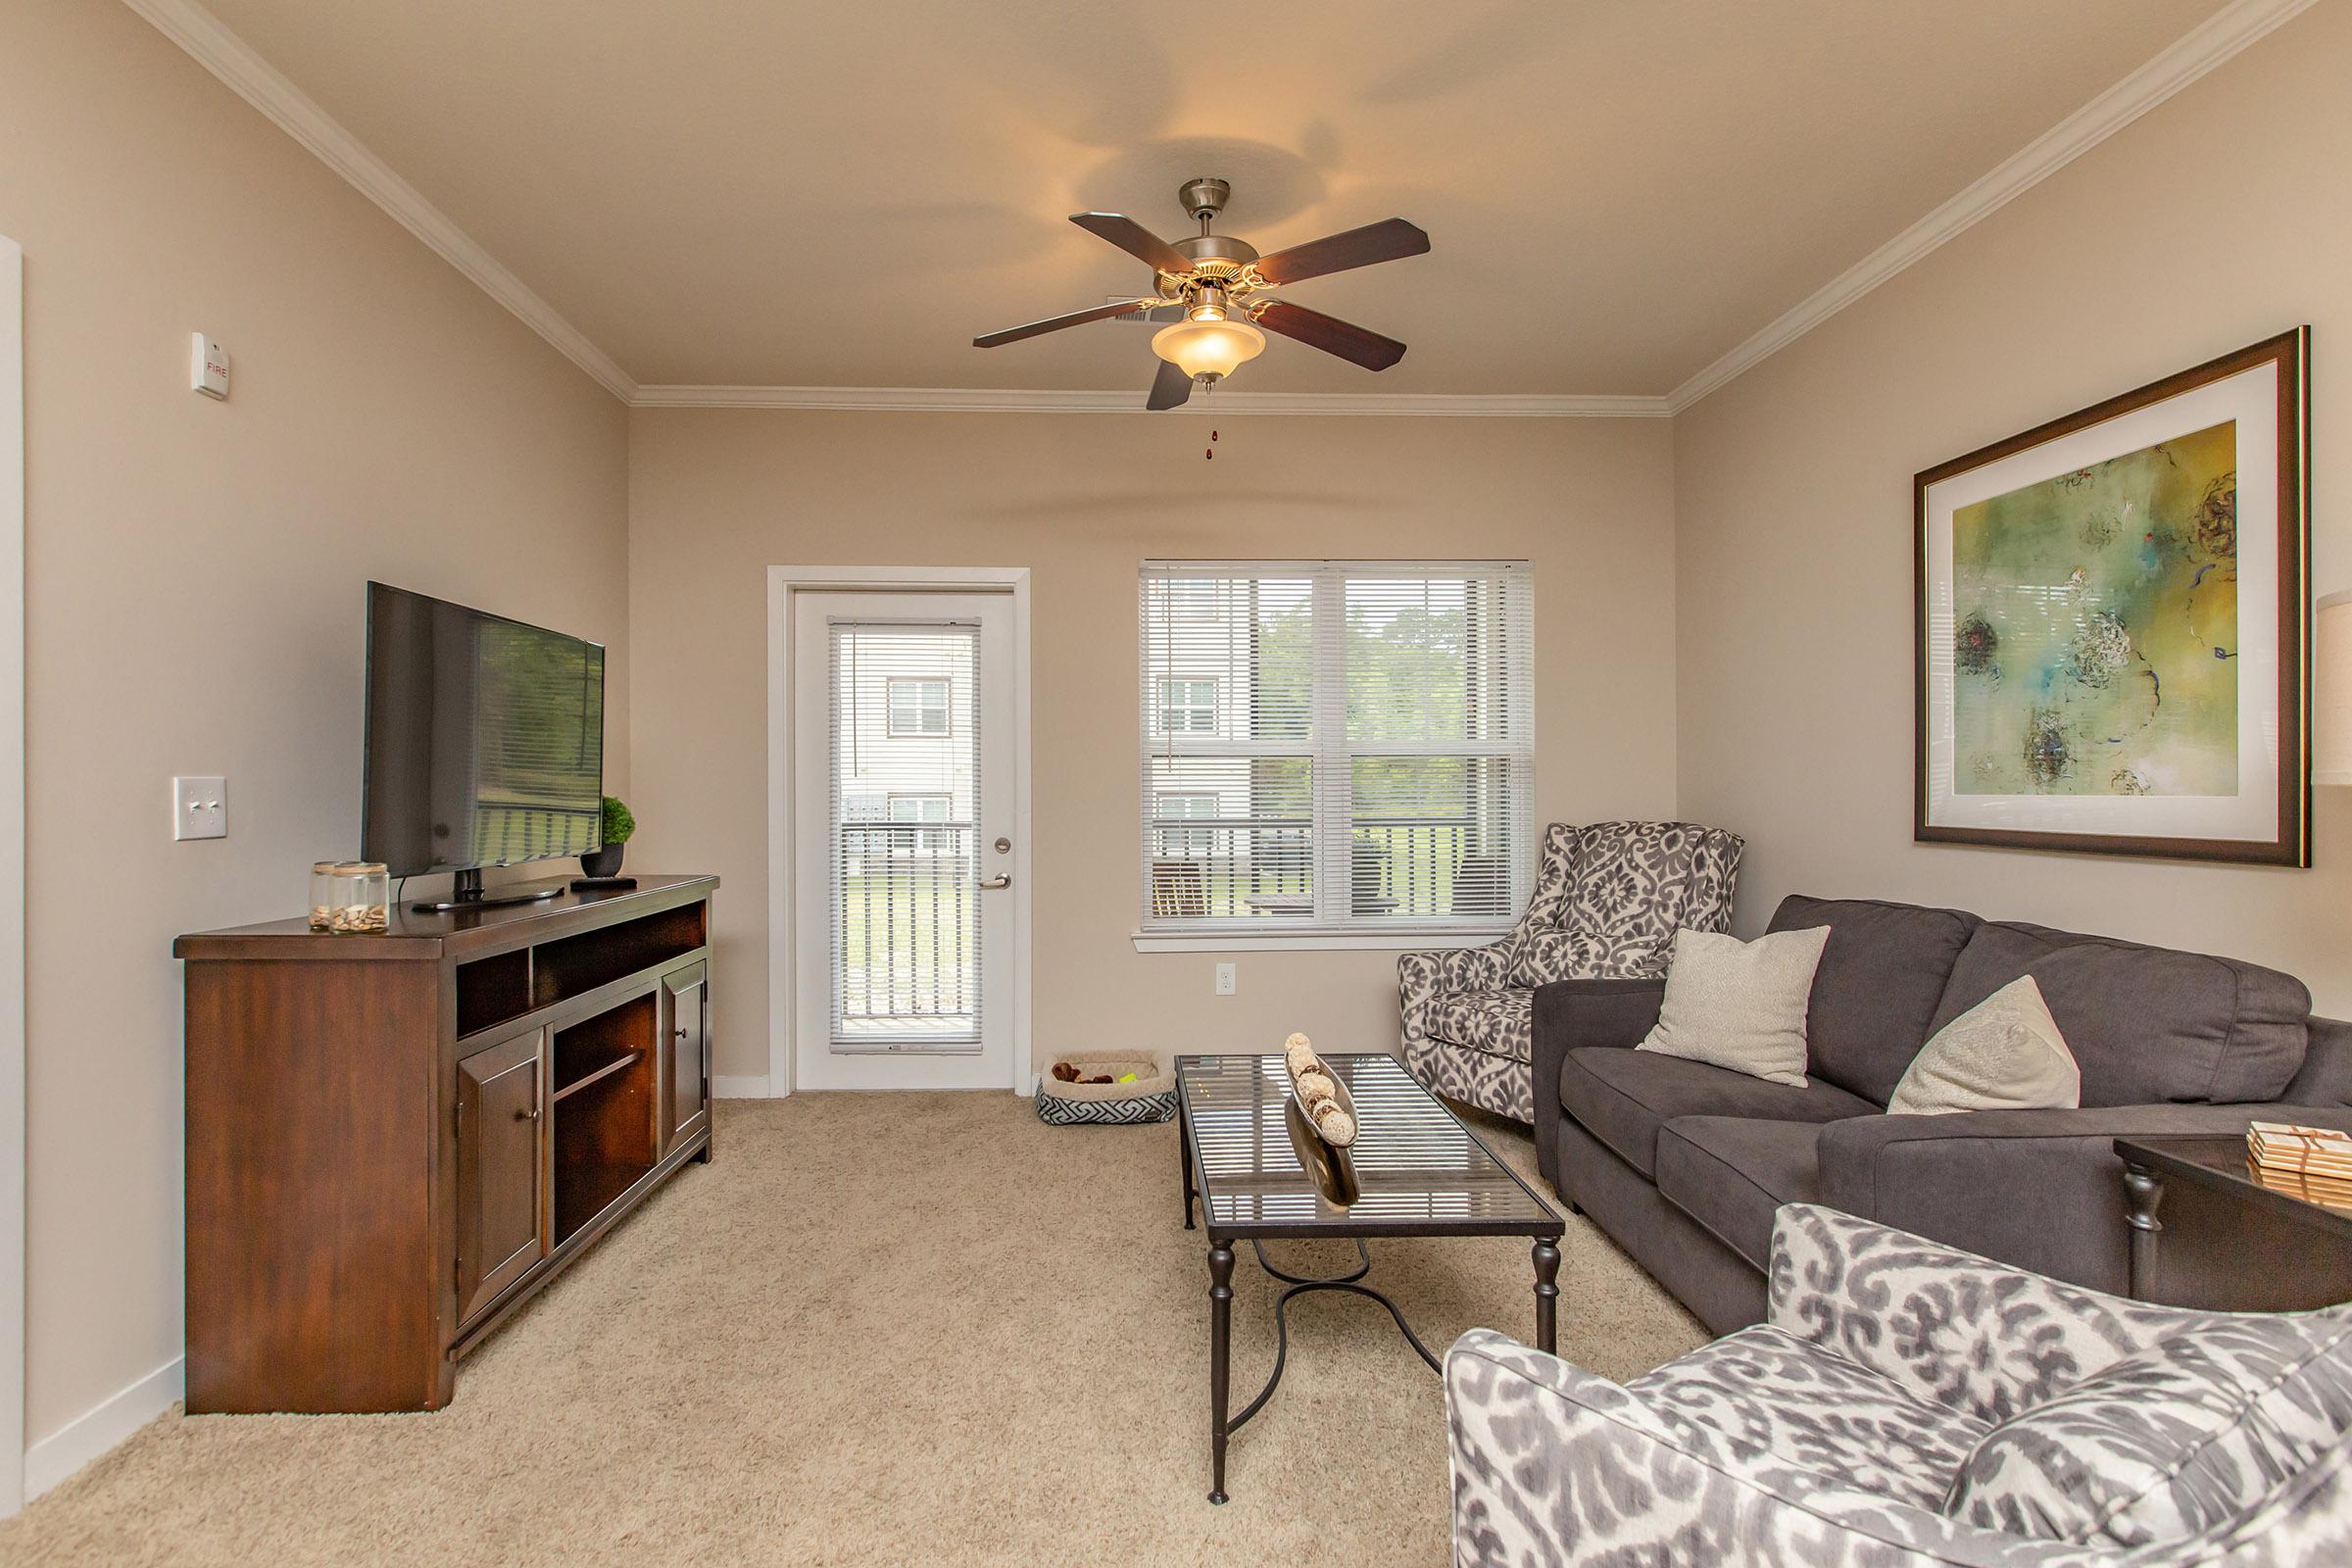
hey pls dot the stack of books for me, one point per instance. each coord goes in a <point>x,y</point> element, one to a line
<point>2313,1164</point>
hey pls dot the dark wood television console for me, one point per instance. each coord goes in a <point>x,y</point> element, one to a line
<point>392,1140</point>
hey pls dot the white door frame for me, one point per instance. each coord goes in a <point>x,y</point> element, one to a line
<point>785,584</point>
<point>819,1061</point>
<point>12,877</point>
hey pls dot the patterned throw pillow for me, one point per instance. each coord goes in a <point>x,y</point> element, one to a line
<point>2175,1441</point>
<point>1739,1004</point>
<point>2004,1054</point>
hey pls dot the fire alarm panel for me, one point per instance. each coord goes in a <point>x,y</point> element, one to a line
<point>208,367</point>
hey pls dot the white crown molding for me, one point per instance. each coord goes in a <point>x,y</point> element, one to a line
<point>2194,53</point>
<point>226,56</point>
<point>261,85</point>
<point>2191,56</point>
<point>973,400</point>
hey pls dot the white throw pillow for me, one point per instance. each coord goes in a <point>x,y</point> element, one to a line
<point>2004,1054</point>
<point>1739,1004</point>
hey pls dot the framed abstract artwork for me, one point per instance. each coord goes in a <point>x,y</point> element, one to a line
<point>2111,648</point>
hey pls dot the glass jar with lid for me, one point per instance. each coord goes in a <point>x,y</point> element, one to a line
<point>362,898</point>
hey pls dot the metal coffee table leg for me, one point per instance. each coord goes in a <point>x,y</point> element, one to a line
<point>1220,1348</point>
<point>1183,1161</point>
<point>1548,1295</point>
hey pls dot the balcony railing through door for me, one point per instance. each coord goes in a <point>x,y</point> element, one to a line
<point>906,807</point>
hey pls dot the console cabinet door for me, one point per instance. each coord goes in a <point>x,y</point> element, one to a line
<point>687,1041</point>
<point>502,1168</point>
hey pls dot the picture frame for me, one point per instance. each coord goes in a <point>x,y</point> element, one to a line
<point>2111,639</point>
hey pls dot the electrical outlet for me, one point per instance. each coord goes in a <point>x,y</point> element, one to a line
<point>1225,986</point>
<point>198,806</point>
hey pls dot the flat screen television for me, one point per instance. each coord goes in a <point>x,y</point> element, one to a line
<point>485,743</point>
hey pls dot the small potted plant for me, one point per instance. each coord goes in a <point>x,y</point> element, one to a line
<point>618,825</point>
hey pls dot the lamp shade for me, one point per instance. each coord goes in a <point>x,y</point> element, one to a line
<point>2331,691</point>
<point>1210,348</point>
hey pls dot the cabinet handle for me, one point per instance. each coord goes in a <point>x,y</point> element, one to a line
<point>531,1114</point>
<point>682,1032</point>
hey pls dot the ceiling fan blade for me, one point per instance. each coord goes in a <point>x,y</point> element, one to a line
<point>1168,388</point>
<point>1055,323</point>
<point>1137,240</point>
<point>1329,334</point>
<point>1384,241</point>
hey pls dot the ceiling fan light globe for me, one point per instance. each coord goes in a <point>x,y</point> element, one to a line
<point>1209,349</point>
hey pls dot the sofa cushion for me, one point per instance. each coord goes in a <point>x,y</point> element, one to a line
<point>2146,1025</point>
<point>2325,1076</point>
<point>1730,1173</point>
<point>1501,1023</point>
<point>1624,1096</point>
<point>1880,977</point>
<point>1812,1409</point>
<point>2172,1442</point>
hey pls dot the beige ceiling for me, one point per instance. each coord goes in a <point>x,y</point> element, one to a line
<point>783,192</point>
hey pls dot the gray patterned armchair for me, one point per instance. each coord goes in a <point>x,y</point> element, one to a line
<point>1908,1405</point>
<point>1608,898</point>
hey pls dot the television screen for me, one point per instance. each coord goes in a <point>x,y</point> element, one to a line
<point>486,738</point>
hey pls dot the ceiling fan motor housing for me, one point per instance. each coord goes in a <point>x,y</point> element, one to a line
<point>1204,197</point>
<point>1215,255</point>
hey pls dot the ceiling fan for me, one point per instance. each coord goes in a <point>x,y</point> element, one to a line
<point>1227,291</point>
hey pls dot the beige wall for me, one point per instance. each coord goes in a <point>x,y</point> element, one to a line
<point>195,575</point>
<point>2218,220</point>
<point>716,497</point>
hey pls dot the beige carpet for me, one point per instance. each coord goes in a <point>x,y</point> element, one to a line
<point>888,1330</point>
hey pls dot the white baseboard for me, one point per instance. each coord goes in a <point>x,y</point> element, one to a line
<point>96,1430</point>
<point>750,1087</point>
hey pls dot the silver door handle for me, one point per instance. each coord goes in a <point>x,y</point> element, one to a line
<point>995,882</point>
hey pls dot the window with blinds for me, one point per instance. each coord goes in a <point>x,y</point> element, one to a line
<point>906,805</point>
<point>1336,747</point>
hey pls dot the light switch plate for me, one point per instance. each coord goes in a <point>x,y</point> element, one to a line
<point>198,806</point>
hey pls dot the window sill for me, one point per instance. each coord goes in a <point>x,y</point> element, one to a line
<point>1323,941</point>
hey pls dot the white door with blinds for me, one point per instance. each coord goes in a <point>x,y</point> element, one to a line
<point>1332,749</point>
<point>902,816</point>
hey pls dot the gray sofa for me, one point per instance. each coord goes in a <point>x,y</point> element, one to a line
<point>1685,1164</point>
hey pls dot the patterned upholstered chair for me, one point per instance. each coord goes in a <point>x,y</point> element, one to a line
<point>1910,1405</point>
<point>1608,900</point>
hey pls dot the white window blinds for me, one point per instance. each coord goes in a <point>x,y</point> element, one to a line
<point>1335,746</point>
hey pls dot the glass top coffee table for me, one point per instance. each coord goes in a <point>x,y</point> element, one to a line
<point>1419,1172</point>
